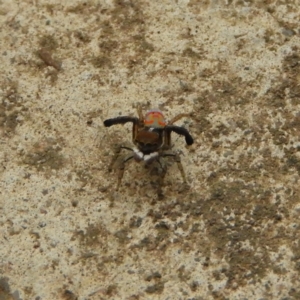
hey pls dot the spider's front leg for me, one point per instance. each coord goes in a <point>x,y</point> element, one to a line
<point>120,120</point>
<point>123,120</point>
<point>179,130</point>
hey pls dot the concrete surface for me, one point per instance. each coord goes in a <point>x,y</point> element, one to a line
<point>66,233</point>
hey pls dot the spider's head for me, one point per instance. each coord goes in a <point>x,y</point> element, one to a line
<point>154,119</point>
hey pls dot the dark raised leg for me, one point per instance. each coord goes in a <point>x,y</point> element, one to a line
<point>179,130</point>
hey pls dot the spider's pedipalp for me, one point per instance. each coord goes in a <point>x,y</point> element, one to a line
<point>150,157</point>
<point>138,155</point>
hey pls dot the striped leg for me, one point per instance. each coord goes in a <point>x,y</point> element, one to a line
<point>117,151</point>
<point>160,194</point>
<point>178,117</point>
<point>177,159</point>
<point>121,168</point>
<point>121,171</point>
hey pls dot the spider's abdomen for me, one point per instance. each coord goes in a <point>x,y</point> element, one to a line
<point>155,119</point>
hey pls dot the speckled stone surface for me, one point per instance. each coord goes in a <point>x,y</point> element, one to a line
<point>67,233</point>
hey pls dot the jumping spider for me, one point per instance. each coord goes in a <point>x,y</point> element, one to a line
<point>151,135</point>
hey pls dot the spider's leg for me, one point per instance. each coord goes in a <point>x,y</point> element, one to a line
<point>120,120</point>
<point>161,180</point>
<point>121,170</point>
<point>123,120</point>
<point>167,139</point>
<point>135,129</point>
<point>140,114</point>
<point>179,130</point>
<point>116,154</point>
<point>177,159</point>
<point>178,117</point>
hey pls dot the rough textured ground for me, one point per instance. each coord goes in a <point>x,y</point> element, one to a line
<point>68,65</point>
